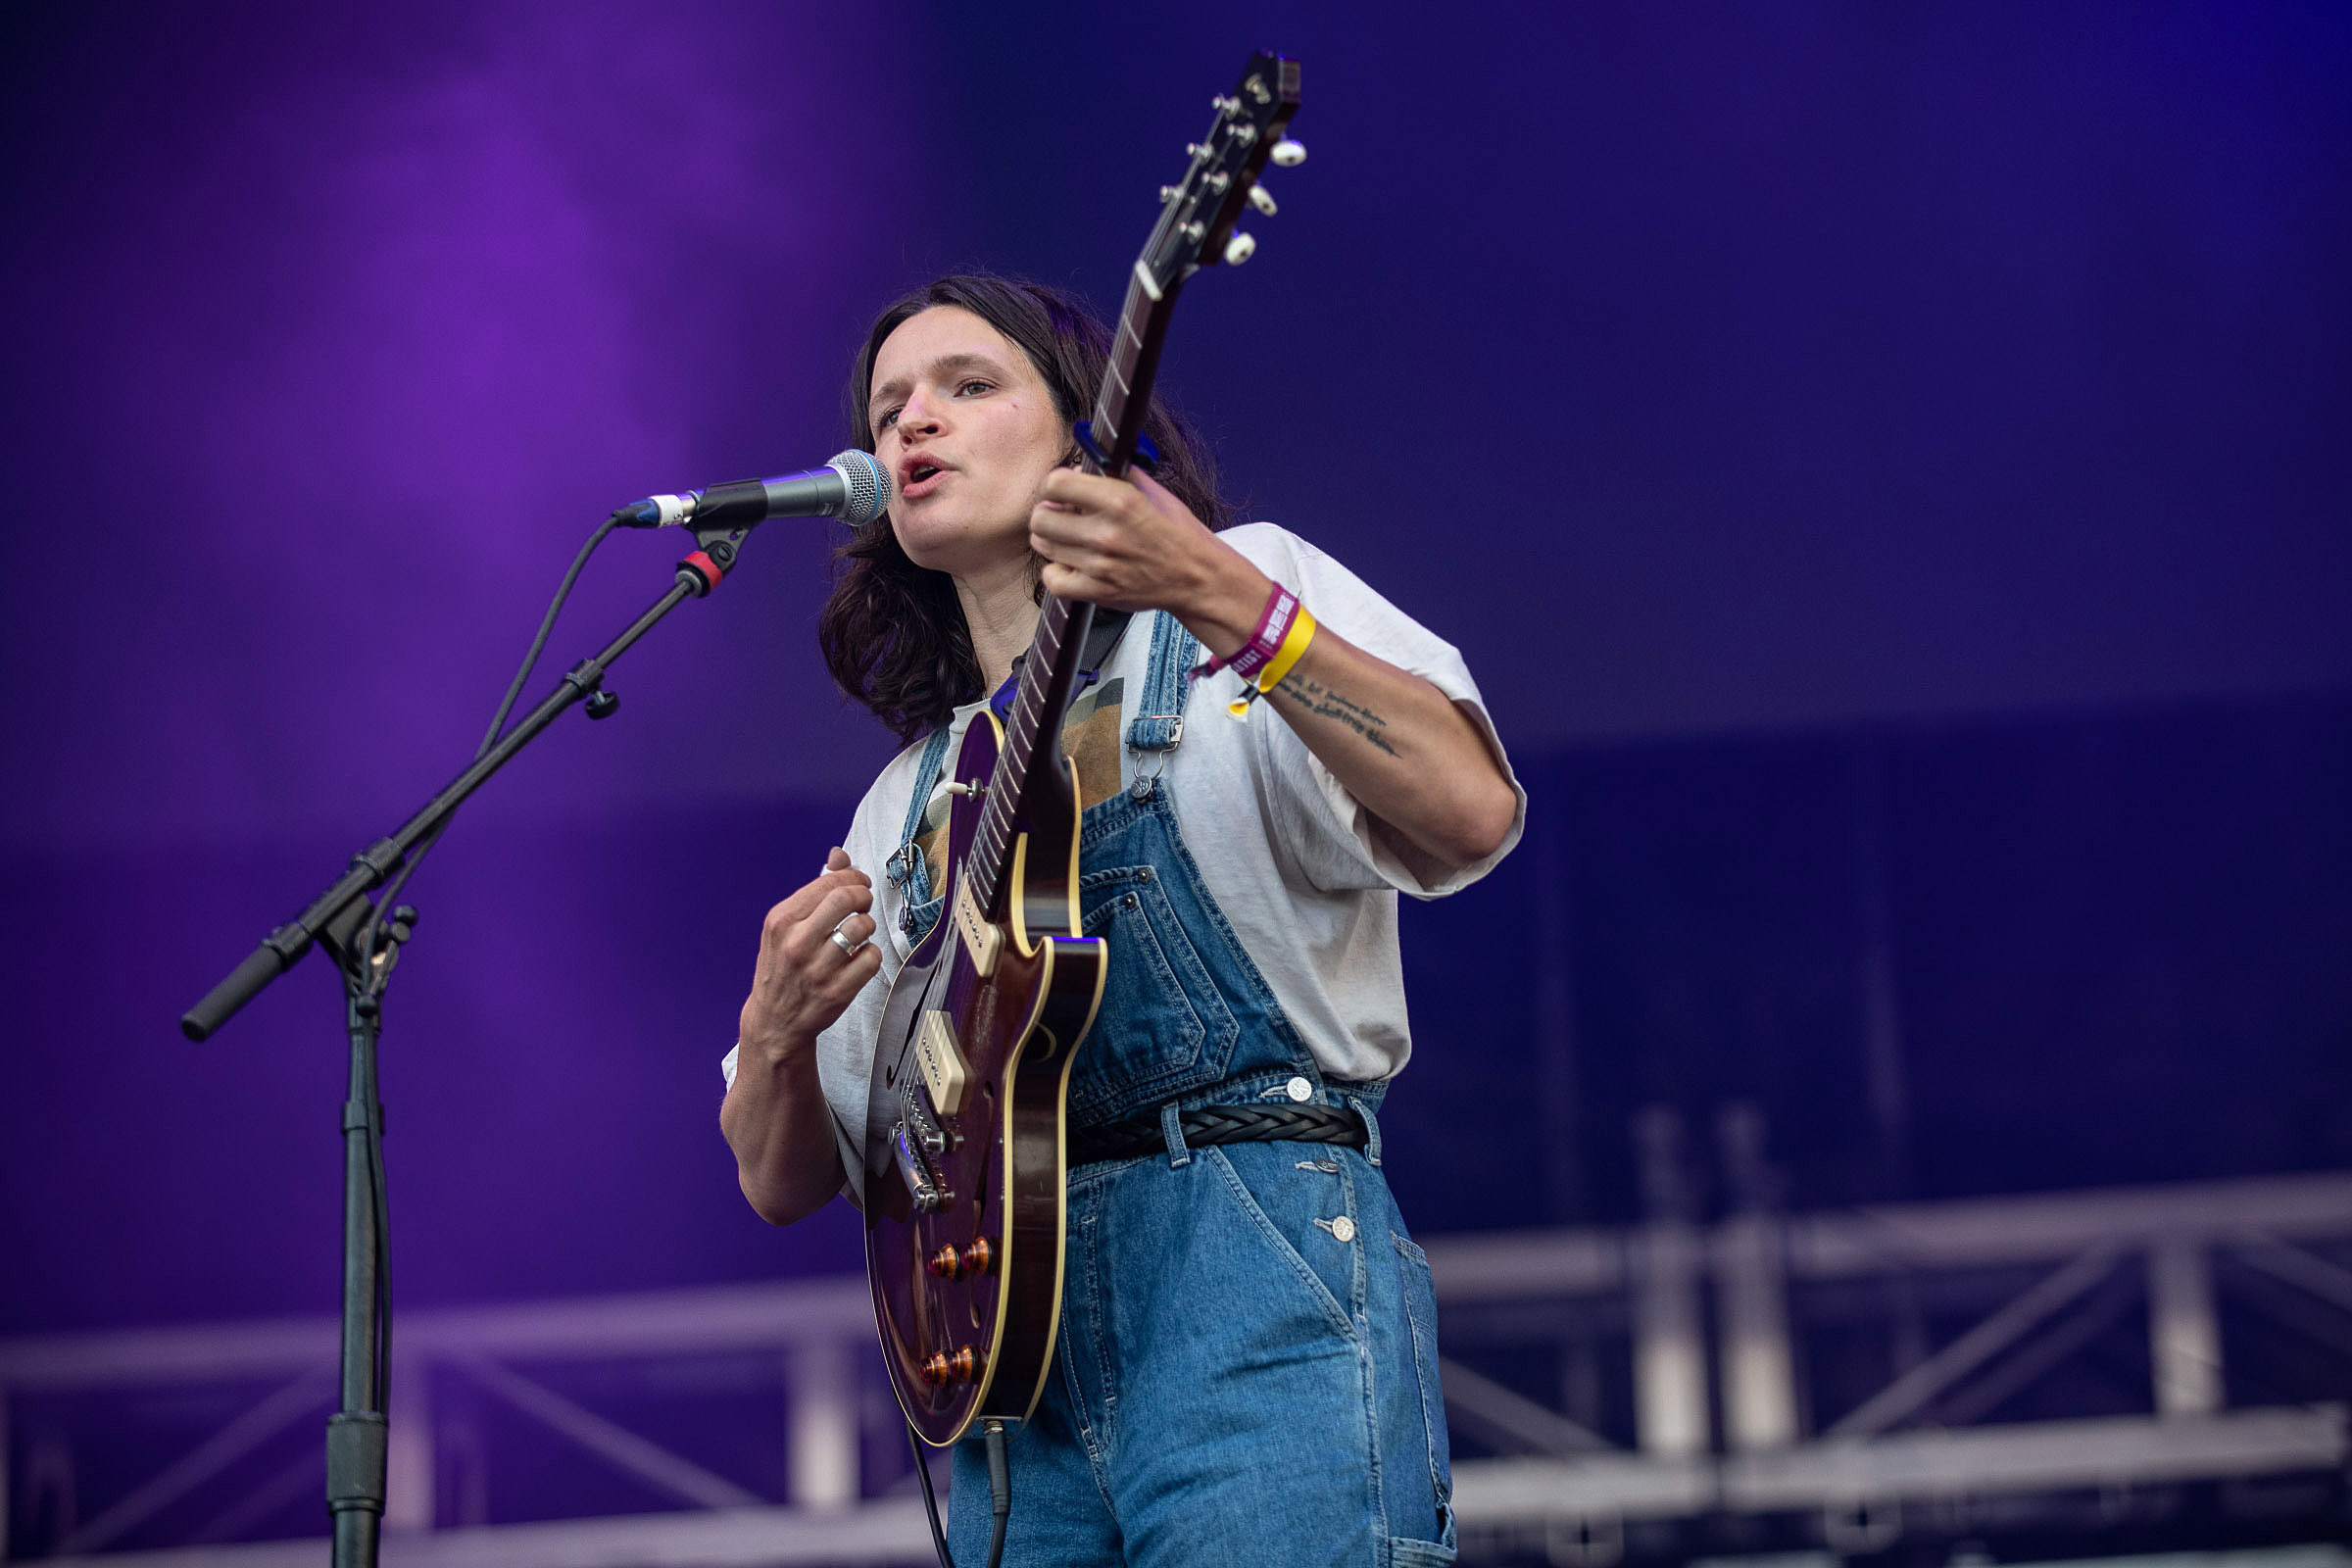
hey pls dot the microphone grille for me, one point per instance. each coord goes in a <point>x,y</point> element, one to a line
<point>868,483</point>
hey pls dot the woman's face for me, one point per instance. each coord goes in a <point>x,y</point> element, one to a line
<point>967,430</point>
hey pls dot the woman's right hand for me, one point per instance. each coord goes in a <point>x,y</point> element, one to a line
<point>804,980</point>
<point>774,1116</point>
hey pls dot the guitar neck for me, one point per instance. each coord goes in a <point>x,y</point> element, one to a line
<point>1194,230</point>
<point>1134,366</point>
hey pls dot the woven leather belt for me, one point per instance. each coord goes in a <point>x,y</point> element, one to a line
<point>1219,1124</point>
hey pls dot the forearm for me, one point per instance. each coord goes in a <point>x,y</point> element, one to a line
<point>1402,747</point>
<point>777,1121</point>
<point>1391,739</point>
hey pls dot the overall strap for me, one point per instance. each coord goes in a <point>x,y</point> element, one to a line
<point>905,863</point>
<point>1158,723</point>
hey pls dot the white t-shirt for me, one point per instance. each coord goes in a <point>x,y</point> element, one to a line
<point>1288,854</point>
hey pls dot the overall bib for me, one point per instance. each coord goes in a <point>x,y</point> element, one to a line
<point>1246,1369</point>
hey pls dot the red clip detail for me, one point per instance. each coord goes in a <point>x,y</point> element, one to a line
<point>703,566</point>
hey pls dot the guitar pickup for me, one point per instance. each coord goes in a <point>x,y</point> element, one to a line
<point>980,937</point>
<point>944,1071</point>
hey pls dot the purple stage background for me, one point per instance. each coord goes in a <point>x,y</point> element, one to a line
<point>1729,382</point>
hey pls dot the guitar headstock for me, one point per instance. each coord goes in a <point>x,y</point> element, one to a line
<point>1197,213</point>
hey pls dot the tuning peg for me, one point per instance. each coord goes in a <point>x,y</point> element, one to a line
<point>1289,153</point>
<point>1240,248</point>
<point>1166,194</point>
<point>1262,201</point>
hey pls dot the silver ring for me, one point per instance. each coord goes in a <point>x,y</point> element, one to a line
<point>849,949</point>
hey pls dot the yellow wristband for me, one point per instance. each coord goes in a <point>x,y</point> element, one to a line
<point>1294,644</point>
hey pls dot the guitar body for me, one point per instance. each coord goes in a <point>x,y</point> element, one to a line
<point>964,1157</point>
<point>974,1337</point>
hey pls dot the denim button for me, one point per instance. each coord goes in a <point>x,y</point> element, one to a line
<point>1300,1090</point>
<point>1342,1229</point>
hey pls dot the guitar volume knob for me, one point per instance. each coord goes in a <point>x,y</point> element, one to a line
<point>943,1369</point>
<point>977,1257</point>
<point>947,1263</point>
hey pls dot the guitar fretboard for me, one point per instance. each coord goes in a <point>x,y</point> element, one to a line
<point>1031,728</point>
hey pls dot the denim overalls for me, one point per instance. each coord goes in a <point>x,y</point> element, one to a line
<point>1247,1368</point>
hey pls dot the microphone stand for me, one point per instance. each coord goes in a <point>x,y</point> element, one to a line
<point>365,946</point>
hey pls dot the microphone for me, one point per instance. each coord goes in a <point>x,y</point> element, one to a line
<point>850,486</point>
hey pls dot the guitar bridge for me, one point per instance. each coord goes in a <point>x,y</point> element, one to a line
<point>921,1186</point>
<point>924,1129</point>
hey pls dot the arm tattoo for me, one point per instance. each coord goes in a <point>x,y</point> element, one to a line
<point>1320,701</point>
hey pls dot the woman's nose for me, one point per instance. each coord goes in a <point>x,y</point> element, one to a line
<point>917,417</point>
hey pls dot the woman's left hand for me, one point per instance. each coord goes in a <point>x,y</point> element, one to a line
<point>1129,543</point>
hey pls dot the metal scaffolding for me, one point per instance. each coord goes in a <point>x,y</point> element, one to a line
<point>1843,1379</point>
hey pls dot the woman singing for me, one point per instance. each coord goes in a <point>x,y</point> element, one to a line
<point>1269,752</point>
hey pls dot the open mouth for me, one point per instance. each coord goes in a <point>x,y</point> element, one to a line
<point>915,473</point>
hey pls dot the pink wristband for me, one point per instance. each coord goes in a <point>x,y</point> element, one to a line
<point>1273,625</point>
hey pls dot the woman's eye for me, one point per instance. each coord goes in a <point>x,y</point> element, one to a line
<point>886,418</point>
<point>969,387</point>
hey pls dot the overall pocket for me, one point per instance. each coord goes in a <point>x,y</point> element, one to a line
<point>1162,1027</point>
<point>1306,1219</point>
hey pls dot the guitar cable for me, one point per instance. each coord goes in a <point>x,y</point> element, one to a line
<point>999,1494</point>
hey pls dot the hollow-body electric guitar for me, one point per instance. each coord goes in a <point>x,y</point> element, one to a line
<point>965,1168</point>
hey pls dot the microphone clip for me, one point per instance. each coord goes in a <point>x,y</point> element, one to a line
<point>707,567</point>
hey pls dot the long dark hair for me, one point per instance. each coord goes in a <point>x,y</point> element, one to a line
<point>892,632</point>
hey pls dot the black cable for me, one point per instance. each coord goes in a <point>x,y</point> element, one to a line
<point>922,1472</point>
<point>383,1259</point>
<point>390,895</point>
<point>999,1490</point>
<point>378,975</point>
<point>547,624</point>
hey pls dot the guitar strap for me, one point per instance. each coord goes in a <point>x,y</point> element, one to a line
<point>907,868</point>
